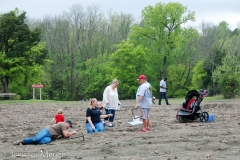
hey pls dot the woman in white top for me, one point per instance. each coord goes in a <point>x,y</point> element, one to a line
<point>110,99</point>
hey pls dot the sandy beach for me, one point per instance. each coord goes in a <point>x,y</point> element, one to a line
<point>167,140</point>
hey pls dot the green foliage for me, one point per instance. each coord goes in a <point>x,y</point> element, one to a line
<point>95,77</point>
<point>22,55</point>
<point>199,74</point>
<point>232,45</point>
<point>84,60</point>
<point>230,86</point>
<point>212,40</point>
<point>161,31</point>
<point>226,76</point>
<point>126,64</point>
<point>176,82</point>
<point>17,97</point>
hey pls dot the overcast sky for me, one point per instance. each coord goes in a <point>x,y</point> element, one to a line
<point>213,11</point>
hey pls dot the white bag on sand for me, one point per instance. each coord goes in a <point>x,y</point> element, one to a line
<point>135,122</point>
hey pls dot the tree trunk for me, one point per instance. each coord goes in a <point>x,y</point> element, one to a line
<point>164,66</point>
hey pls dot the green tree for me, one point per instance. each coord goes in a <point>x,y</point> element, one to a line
<point>181,63</point>
<point>176,82</point>
<point>162,28</point>
<point>211,48</point>
<point>21,54</point>
<point>126,64</point>
<point>75,39</point>
<point>199,73</point>
<point>226,76</point>
<point>94,78</point>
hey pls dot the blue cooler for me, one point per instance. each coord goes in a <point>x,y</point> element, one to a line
<point>211,118</point>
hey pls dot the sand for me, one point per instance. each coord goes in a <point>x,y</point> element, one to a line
<point>167,140</point>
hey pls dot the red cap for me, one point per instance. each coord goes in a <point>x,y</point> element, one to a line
<point>141,77</point>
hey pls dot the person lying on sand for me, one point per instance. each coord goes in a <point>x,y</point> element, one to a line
<point>49,133</point>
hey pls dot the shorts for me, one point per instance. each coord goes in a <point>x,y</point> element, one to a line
<point>145,113</point>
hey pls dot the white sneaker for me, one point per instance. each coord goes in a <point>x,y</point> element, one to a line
<point>110,125</point>
<point>17,142</point>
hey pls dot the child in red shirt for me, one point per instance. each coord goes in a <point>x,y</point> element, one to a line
<point>58,117</point>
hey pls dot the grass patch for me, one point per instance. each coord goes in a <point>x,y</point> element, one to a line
<point>33,101</point>
<point>206,99</point>
<point>21,101</point>
<point>214,98</point>
<point>171,100</point>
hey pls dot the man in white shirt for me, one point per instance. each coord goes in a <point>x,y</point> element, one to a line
<point>163,89</point>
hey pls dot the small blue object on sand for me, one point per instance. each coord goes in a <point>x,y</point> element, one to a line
<point>211,118</point>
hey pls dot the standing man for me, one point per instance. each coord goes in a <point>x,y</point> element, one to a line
<point>144,100</point>
<point>163,93</point>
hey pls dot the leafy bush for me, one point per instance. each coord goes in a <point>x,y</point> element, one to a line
<point>226,76</point>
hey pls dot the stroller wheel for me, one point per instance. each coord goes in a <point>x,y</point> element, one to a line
<point>204,117</point>
<point>182,119</point>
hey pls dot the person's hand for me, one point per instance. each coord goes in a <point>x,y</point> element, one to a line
<point>136,106</point>
<point>119,105</point>
<point>110,115</point>
<point>93,127</point>
<point>73,132</point>
<point>107,103</point>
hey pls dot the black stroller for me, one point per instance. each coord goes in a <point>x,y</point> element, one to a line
<point>191,109</point>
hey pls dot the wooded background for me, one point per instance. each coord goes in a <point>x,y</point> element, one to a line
<point>78,53</point>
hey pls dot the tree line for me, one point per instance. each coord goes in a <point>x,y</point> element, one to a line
<point>77,54</point>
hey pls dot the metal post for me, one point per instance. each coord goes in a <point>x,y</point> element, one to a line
<point>33,93</point>
<point>40,92</point>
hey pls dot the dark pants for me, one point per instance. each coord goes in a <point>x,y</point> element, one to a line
<point>163,95</point>
<point>110,111</point>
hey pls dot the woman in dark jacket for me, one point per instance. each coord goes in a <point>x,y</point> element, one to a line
<point>94,116</point>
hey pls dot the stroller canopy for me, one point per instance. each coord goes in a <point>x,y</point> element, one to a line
<point>189,98</point>
<point>192,93</point>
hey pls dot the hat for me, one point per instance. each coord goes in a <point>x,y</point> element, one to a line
<point>141,77</point>
<point>69,122</point>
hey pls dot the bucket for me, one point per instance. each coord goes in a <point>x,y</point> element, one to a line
<point>211,118</point>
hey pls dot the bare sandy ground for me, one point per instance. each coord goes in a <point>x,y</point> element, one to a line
<point>167,140</point>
